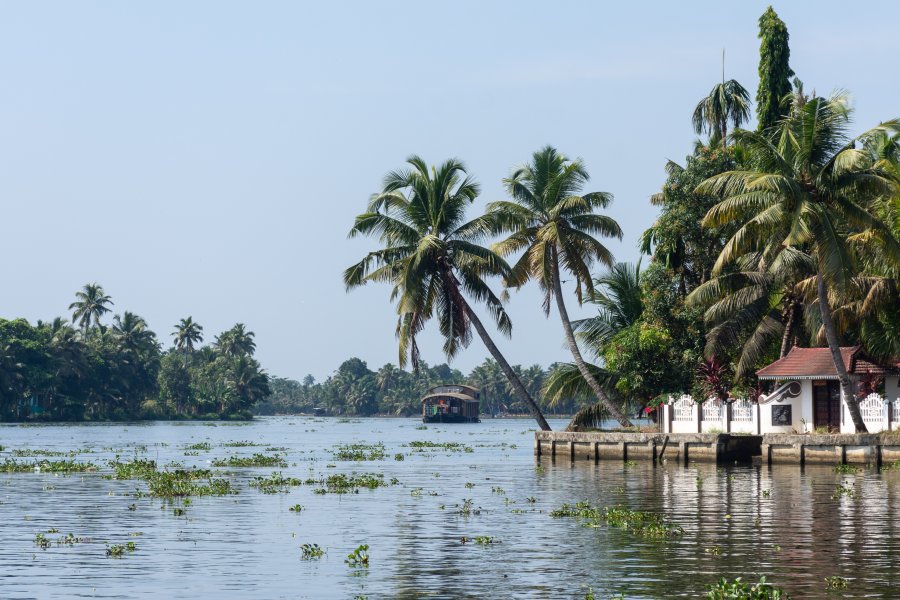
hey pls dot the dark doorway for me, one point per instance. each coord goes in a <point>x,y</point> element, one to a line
<point>827,405</point>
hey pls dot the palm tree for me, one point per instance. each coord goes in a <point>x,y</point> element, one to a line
<point>554,227</point>
<point>726,102</point>
<point>237,341</point>
<point>187,333</point>
<point>133,334</point>
<point>620,301</point>
<point>91,303</point>
<point>432,258</point>
<point>809,188</point>
<point>757,305</point>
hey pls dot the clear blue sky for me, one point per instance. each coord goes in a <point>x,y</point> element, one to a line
<point>208,158</point>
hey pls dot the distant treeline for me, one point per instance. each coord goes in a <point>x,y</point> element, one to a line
<point>86,370</point>
<point>354,389</point>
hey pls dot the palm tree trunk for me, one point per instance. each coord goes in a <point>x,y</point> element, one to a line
<point>617,414</point>
<point>788,329</point>
<point>519,389</point>
<point>831,336</point>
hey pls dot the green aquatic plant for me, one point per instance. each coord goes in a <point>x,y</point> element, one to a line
<point>399,456</point>
<point>135,469</point>
<point>179,512</point>
<point>42,541</point>
<point>741,590</point>
<point>257,460</point>
<point>630,463</point>
<point>847,469</point>
<point>275,483</point>
<point>359,558</point>
<point>642,523</point>
<point>341,483</point>
<point>311,552</point>
<point>181,483</point>
<point>424,446</point>
<point>199,446</point>
<point>836,582</point>
<point>25,452</point>
<point>467,508</point>
<point>486,540</point>
<point>296,508</point>
<point>359,452</point>
<point>46,466</point>
<point>119,550</point>
<point>241,444</point>
<point>843,491</point>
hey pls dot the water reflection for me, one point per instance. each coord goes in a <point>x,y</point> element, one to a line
<point>738,521</point>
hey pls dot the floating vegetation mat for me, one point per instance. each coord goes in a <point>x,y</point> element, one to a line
<point>275,483</point>
<point>646,524</point>
<point>46,466</point>
<point>176,483</point>
<point>340,483</point>
<point>359,452</point>
<point>423,446</point>
<point>257,460</point>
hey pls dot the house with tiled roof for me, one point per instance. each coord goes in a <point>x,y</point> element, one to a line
<point>806,394</point>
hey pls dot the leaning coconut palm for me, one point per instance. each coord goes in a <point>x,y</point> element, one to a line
<point>433,260</point>
<point>91,304</point>
<point>809,188</point>
<point>726,102</point>
<point>554,226</point>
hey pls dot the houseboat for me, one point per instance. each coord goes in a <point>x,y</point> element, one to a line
<point>451,404</point>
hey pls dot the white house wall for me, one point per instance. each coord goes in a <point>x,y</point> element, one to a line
<point>801,409</point>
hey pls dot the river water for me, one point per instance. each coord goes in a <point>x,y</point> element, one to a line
<point>781,522</point>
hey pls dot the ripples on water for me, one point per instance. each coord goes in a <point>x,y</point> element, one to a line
<point>247,546</point>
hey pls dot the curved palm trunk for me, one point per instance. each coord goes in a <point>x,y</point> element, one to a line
<point>520,390</point>
<point>831,336</point>
<point>788,330</point>
<point>617,414</point>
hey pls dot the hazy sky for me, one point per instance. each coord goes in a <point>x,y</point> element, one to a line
<point>208,158</point>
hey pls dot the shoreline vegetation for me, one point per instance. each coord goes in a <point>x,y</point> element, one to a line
<point>90,371</point>
<point>768,238</point>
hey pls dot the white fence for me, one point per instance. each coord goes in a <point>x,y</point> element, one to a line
<point>878,414</point>
<point>684,415</point>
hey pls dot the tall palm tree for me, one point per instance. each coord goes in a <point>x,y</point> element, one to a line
<point>432,258</point>
<point>237,341</point>
<point>187,333</point>
<point>133,334</point>
<point>553,225</point>
<point>91,303</point>
<point>809,188</point>
<point>726,102</point>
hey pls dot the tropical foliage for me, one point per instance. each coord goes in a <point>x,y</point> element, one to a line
<point>54,371</point>
<point>433,261</point>
<point>355,390</point>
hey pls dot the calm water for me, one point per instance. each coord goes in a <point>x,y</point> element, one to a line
<point>247,546</point>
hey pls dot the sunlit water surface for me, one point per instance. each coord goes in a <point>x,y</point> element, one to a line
<point>248,545</point>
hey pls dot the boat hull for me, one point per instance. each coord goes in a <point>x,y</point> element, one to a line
<point>450,419</point>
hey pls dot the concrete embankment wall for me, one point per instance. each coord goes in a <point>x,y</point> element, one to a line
<point>683,447</point>
<point>862,448</point>
<point>771,448</point>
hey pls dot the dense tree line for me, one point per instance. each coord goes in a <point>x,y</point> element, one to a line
<point>88,370</point>
<point>354,389</point>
